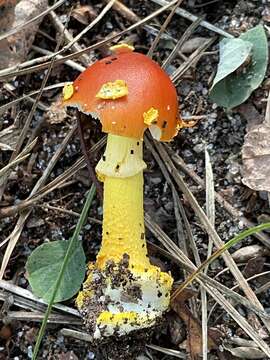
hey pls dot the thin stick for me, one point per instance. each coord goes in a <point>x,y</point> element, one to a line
<point>180,42</point>
<point>209,228</point>
<point>13,71</point>
<point>163,28</point>
<point>14,236</point>
<point>187,15</point>
<point>210,212</point>
<point>236,214</point>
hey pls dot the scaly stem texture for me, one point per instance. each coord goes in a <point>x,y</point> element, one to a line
<point>123,221</point>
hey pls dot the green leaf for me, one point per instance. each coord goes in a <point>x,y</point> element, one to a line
<point>233,53</point>
<point>43,267</point>
<point>233,84</point>
<point>68,254</point>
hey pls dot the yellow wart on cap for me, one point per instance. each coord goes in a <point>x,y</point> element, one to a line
<point>121,48</point>
<point>68,91</point>
<point>113,90</point>
<point>150,116</point>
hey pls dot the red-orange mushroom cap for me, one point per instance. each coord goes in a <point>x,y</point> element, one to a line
<point>143,96</point>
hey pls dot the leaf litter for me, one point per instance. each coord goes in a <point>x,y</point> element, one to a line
<point>223,135</point>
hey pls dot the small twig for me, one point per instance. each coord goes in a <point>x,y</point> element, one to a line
<point>174,353</point>
<point>236,214</point>
<point>124,11</point>
<point>68,212</point>
<point>187,15</point>
<point>54,184</point>
<point>77,335</point>
<point>38,316</point>
<point>68,37</point>
<point>194,57</point>
<point>162,29</point>
<point>180,43</point>
<point>70,63</point>
<point>21,26</point>
<point>8,105</point>
<point>17,290</point>
<point>15,70</point>
<point>210,212</point>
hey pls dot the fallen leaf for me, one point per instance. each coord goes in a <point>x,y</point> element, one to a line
<point>247,252</point>
<point>254,266</point>
<point>194,327</point>
<point>84,14</point>
<point>246,352</point>
<point>43,267</point>
<point>256,158</point>
<point>241,69</point>
<point>14,49</point>
<point>7,11</point>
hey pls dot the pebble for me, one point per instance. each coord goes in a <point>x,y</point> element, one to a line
<point>155,180</point>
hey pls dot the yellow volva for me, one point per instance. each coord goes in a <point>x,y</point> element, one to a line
<point>128,93</point>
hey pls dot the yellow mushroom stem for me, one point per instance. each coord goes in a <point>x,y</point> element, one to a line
<point>123,291</point>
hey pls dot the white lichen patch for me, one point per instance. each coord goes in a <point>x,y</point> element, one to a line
<point>113,90</point>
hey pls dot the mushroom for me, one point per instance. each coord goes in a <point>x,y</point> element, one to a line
<point>128,93</point>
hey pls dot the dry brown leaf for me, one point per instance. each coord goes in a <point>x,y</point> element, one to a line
<point>194,327</point>
<point>256,158</point>
<point>246,352</point>
<point>254,266</point>
<point>7,10</point>
<point>15,48</point>
<point>247,252</point>
<point>84,14</point>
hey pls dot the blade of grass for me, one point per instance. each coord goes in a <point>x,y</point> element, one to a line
<point>73,241</point>
<point>217,253</point>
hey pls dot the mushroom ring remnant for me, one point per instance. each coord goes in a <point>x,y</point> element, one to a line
<point>128,93</point>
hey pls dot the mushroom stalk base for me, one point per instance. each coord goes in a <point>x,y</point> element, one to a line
<point>123,291</point>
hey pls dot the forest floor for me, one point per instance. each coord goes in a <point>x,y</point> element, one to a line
<point>53,215</point>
